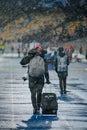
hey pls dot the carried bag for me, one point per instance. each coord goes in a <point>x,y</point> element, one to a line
<point>36,66</point>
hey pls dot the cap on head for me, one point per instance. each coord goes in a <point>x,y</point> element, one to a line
<point>60,49</point>
<point>38,47</point>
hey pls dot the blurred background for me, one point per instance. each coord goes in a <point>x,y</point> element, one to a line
<point>49,22</point>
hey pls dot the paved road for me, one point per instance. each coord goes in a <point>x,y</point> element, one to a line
<point>15,103</point>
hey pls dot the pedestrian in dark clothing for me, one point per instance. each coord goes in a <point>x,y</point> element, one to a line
<point>86,55</point>
<point>18,50</point>
<point>81,50</point>
<point>54,57</point>
<point>36,84</point>
<point>47,61</point>
<point>61,68</point>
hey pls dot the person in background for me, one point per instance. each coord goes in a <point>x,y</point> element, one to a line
<point>24,51</point>
<point>86,54</point>
<point>47,60</point>
<point>61,68</point>
<point>54,57</point>
<point>19,50</point>
<point>81,50</point>
<point>12,49</point>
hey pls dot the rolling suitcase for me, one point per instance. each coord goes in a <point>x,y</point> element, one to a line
<point>49,103</point>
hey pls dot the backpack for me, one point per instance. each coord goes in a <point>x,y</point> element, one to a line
<point>36,66</point>
<point>62,64</point>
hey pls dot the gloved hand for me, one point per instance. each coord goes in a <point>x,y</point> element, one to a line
<point>24,78</point>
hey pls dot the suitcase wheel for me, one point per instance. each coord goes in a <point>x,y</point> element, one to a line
<point>53,112</point>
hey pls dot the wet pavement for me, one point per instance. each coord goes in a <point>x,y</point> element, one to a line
<point>15,99</point>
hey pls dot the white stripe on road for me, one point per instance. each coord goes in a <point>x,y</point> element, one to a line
<point>12,77</point>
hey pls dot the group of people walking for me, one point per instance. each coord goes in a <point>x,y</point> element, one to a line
<point>38,69</point>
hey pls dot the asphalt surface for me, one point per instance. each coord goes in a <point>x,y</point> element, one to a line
<point>15,99</point>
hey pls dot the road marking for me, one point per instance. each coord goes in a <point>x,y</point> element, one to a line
<point>78,70</point>
<point>12,77</point>
<point>65,121</point>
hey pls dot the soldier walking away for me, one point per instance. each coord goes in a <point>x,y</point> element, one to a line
<point>61,68</point>
<point>36,77</point>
